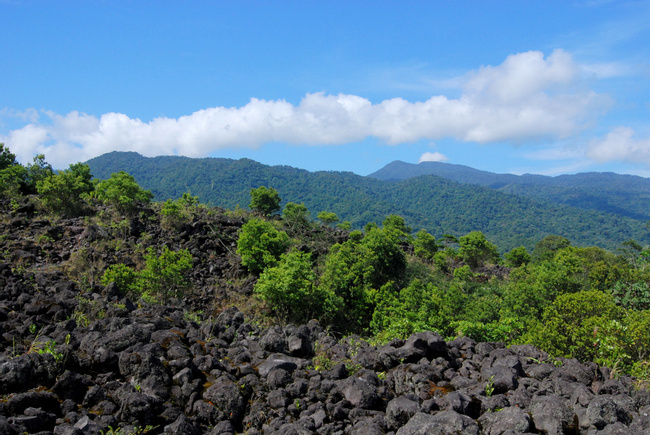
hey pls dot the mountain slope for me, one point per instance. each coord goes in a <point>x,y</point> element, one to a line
<point>441,206</point>
<point>624,195</point>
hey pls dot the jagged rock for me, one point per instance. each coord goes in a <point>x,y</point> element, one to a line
<point>509,420</point>
<point>441,423</point>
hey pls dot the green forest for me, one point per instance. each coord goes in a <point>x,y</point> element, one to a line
<point>383,281</point>
<point>429,202</point>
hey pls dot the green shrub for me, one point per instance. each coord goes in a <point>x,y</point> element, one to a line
<point>265,201</point>
<point>260,245</point>
<point>122,192</point>
<point>163,277</point>
<point>65,193</point>
<point>291,291</point>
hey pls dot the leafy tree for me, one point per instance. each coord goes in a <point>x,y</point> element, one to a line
<point>345,225</point>
<point>64,193</point>
<point>570,324</point>
<point>7,158</point>
<point>291,291</point>
<point>476,250</point>
<point>546,248</point>
<point>517,257</point>
<point>357,269</point>
<point>122,192</point>
<point>12,174</point>
<point>296,215</point>
<point>125,278</point>
<point>165,275</point>
<point>534,287</point>
<point>397,225</point>
<point>176,213</point>
<point>327,217</point>
<point>36,171</point>
<point>265,201</point>
<point>425,245</point>
<point>261,245</point>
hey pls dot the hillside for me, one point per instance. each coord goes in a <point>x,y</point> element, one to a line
<point>77,357</point>
<point>438,205</point>
<point>122,315</point>
<point>624,195</point>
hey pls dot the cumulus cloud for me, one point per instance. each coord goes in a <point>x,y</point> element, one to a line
<point>433,157</point>
<point>620,144</point>
<point>527,97</point>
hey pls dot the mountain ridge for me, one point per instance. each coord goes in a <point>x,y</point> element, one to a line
<point>437,204</point>
<point>621,194</point>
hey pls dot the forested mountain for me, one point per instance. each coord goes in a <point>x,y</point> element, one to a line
<point>436,204</point>
<point>625,195</point>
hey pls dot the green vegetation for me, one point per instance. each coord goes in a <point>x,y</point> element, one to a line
<point>122,192</point>
<point>65,193</point>
<point>163,277</point>
<point>260,245</point>
<point>265,201</point>
<point>438,205</point>
<point>383,282</point>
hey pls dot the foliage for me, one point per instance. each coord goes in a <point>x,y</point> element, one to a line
<point>632,295</point>
<point>176,213</point>
<point>65,193</point>
<point>356,270</point>
<point>265,201</point>
<point>290,289</point>
<point>125,278</point>
<point>163,277</point>
<point>517,257</point>
<point>546,248</point>
<point>327,217</point>
<point>122,192</point>
<point>295,216</point>
<point>260,245</point>
<point>569,325</point>
<point>476,250</point>
<point>425,245</point>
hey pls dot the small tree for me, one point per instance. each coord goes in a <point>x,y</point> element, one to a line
<point>290,289</point>
<point>122,192</point>
<point>265,201</point>
<point>296,215</point>
<point>327,217</point>
<point>261,245</point>
<point>476,250</point>
<point>64,193</point>
<point>517,257</point>
<point>425,245</point>
<point>163,277</point>
<point>178,212</point>
<point>12,174</point>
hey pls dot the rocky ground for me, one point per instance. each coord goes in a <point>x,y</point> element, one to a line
<point>78,358</point>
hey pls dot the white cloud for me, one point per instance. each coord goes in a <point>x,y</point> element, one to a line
<point>620,144</point>
<point>433,157</point>
<point>525,98</point>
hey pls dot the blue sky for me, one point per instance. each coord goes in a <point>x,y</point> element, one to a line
<point>505,86</point>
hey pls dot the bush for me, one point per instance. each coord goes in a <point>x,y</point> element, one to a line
<point>125,278</point>
<point>291,291</point>
<point>122,192</point>
<point>261,245</point>
<point>163,277</point>
<point>178,212</point>
<point>65,193</point>
<point>265,201</point>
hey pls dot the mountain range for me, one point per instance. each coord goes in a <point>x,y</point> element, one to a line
<point>594,209</point>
